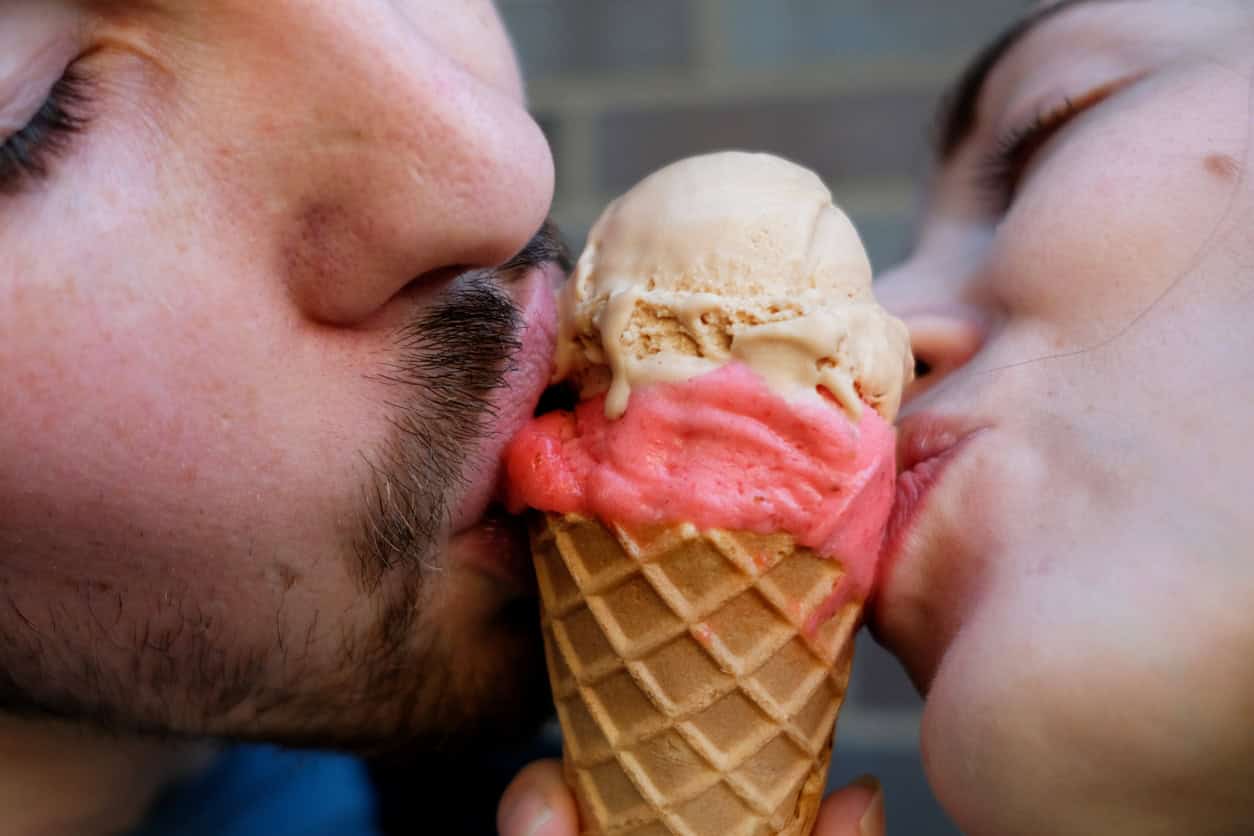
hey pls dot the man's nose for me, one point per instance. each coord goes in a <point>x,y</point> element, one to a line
<point>409,164</point>
<point>946,332</point>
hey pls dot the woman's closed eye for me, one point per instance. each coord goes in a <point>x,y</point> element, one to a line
<point>1003,170</point>
<point>26,156</point>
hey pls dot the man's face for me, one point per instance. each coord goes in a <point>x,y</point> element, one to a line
<point>254,394</point>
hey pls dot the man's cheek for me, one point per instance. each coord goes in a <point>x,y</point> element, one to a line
<point>94,445</point>
<point>119,427</point>
<point>145,461</point>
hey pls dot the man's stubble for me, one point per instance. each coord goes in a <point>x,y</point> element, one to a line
<point>411,676</point>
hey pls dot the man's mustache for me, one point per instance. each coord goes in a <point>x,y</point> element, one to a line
<point>545,247</point>
<point>447,365</point>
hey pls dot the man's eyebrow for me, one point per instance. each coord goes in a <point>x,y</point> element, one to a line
<point>957,114</point>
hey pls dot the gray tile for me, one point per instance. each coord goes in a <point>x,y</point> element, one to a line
<point>550,123</point>
<point>911,808</point>
<point>594,37</point>
<point>785,33</point>
<point>860,136</point>
<point>888,238</point>
<point>574,232</point>
<point>878,681</point>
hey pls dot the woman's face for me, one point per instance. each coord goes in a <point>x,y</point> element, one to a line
<point>1071,573</point>
<point>253,402</point>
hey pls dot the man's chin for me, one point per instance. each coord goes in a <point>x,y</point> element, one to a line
<point>507,704</point>
<point>450,660</point>
<point>479,621</point>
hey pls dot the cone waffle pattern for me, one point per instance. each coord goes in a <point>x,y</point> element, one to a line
<point>691,700</point>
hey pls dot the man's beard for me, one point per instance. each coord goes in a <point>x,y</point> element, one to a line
<point>442,661</point>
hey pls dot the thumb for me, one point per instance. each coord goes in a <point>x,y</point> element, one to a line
<point>538,803</point>
<point>856,810</point>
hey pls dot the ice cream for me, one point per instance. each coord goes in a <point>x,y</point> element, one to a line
<point>720,451</point>
<point>733,298</point>
<point>715,503</point>
<point>730,257</point>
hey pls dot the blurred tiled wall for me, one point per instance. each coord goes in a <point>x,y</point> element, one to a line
<point>846,87</point>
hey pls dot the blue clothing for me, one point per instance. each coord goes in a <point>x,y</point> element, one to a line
<point>268,791</point>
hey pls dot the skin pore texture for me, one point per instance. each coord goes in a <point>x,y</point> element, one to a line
<point>205,303</point>
<point>258,372</point>
<point>1072,594</point>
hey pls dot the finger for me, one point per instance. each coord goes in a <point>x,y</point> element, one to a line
<point>856,810</point>
<point>538,803</point>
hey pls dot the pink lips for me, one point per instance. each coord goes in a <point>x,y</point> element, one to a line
<point>926,444</point>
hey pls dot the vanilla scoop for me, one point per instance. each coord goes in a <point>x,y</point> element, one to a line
<point>730,257</point>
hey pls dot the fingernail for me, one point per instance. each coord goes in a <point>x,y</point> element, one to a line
<point>526,816</point>
<point>872,821</point>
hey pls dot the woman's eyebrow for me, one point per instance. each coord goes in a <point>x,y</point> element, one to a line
<point>957,114</point>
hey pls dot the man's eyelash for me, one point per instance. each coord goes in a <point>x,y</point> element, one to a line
<point>27,155</point>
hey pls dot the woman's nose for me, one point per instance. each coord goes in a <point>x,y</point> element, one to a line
<point>410,161</point>
<point>945,332</point>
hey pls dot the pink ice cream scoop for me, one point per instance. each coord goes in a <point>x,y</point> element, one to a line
<point>735,369</point>
<point>721,451</point>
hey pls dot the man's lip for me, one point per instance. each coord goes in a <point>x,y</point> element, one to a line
<point>926,446</point>
<point>515,402</point>
<point>497,546</point>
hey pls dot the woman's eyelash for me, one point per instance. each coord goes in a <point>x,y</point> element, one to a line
<point>1001,172</point>
<point>27,155</point>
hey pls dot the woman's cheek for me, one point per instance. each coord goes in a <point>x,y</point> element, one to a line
<point>1101,693</point>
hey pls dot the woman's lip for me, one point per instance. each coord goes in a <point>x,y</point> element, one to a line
<point>515,402</point>
<point>924,437</point>
<point>926,446</point>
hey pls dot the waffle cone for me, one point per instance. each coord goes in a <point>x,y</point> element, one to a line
<point>691,699</point>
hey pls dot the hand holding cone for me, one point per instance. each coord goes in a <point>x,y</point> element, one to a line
<point>538,802</point>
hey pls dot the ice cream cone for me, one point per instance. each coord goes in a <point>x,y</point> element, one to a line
<point>692,697</point>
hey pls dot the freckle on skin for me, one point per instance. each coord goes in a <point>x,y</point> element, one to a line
<point>1223,166</point>
<point>311,261</point>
